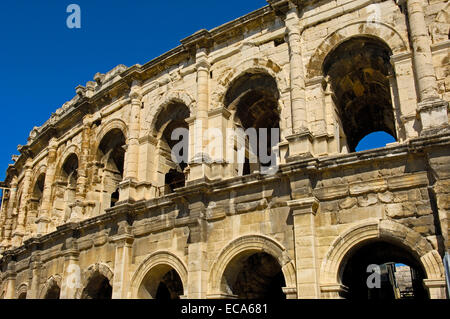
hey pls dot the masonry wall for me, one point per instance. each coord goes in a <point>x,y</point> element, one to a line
<point>322,203</point>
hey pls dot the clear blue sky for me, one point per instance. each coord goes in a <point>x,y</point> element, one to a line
<point>42,61</point>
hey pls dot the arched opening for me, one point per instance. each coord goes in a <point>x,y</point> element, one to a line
<point>67,184</point>
<point>111,154</point>
<point>254,276</point>
<point>22,295</point>
<point>382,270</point>
<point>53,291</point>
<point>98,287</point>
<point>35,201</point>
<point>162,282</point>
<point>172,162</point>
<point>38,191</point>
<point>374,140</point>
<point>358,71</point>
<point>253,101</point>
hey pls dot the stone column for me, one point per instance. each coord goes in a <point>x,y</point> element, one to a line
<point>122,263</point>
<point>202,86</point>
<point>148,184</point>
<point>71,279</point>
<point>197,254</point>
<point>44,217</point>
<point>84,158</point>
<point>34,269</point>
<point>304,211</point>
<point>297,78</point>
<point>20,229</point>
<point>198,158</point>
<point>10,279</point>
<point>300,142</point>
<point>7,227</point>
<point>133,133</point>
<point>128,186</point>
<point>432,110</point>
<point>78,208</point>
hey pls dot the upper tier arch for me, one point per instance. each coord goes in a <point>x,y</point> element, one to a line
<point>379,30</point>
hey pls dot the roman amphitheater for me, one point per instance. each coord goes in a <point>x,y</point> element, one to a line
<point>95,206</point>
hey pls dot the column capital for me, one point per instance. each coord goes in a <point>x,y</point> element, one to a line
<point>290,292</point>
<point>89,119</point>
<point>307,205</point>
<point>71,253</point>
<point>434,283</point>
<point>135,91</point>
<point>123,240</point>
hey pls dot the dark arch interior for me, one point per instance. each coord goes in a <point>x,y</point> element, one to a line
<point>163,283</point>
<point>170,286</point>
<point>256,276</point>
<point>69,170</point>
<point>113,143</point>
<point>97,288</point>
<point>38,191</point>
<point>172,117</point>
<point>359,71</point>
<point>254,97</point>
<point>53,292</point>
<point>23,295</point>
<point>112,149</point>
<point>386,255</point>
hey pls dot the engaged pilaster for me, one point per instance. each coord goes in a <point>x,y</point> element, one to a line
<point>199,159</point>
<point>7,227</point>
<point>304,211</point>
<point>122,263</point>
<point>432,109</point>
<point>71,280</point>
<point>44,217</point>
<point>128,185</point>
<point>20,229</point>
<point>300,141</point>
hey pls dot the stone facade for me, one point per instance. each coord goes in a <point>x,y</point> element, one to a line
<point>96,208</point>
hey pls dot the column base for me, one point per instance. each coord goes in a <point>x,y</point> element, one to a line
<point>434,116</point>
<point>300,145</point>
<point>42,225</point>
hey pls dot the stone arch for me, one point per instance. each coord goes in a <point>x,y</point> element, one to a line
<point>177,96</point>
<point>253,243</point>
<point>49,284</point>
<point>90,272</point>
<point>381,31</point>
<point>155,259</point>
<point>41,169</point>
<point>22,291</point>
<point>72,149</point>
<point>109,126</point>
<point>250,65</point>
<point>387,230</point>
